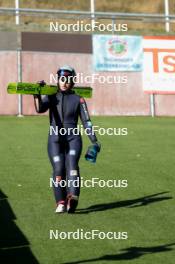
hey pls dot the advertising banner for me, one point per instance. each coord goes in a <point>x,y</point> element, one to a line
<point>117,53</point>
<point>159,65</point>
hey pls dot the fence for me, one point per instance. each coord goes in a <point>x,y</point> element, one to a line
<point>107,100</point>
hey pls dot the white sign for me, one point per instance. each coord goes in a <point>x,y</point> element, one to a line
<point>117,53</point>
<point>159,65</point>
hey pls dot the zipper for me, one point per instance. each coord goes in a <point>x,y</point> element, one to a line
<point>62,109</point>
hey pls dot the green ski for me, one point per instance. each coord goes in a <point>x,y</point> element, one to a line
<point>34,88</point>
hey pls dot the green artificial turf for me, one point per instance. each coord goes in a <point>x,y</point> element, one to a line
<point>145,209</point>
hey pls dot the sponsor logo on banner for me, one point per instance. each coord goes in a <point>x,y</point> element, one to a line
<point>159,65</point>
<point>117,47</point>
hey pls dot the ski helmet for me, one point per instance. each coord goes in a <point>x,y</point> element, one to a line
<point>66,72</point>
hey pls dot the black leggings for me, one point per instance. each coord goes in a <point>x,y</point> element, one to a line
<point>64,156</point>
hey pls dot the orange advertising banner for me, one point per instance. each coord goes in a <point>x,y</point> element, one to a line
<point>159,64</point>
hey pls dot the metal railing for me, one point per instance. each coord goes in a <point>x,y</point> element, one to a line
<point>144,17</point>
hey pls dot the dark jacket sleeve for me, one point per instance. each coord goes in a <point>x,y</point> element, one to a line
<point>42,103</point>
<point>86,121</point>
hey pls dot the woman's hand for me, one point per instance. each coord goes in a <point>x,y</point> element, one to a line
<point>41,83</point>
<point>97,145</point>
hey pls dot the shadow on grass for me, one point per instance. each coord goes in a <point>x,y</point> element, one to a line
<point>14,247</point>
<point>142,201</point>
<point>128,254</point>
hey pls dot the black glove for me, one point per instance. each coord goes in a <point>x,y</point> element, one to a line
<point>41,83</point>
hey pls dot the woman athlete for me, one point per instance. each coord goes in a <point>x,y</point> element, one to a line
<point>64,149</point>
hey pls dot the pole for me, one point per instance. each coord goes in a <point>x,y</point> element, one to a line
<point>152,105</point>
<point>167,23</point>
<point>17,12</point>
<point>19,65</point>
<point>113,24</point>
<point>92,3</point>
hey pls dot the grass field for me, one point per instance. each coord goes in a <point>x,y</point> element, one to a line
<point>145,209</point>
